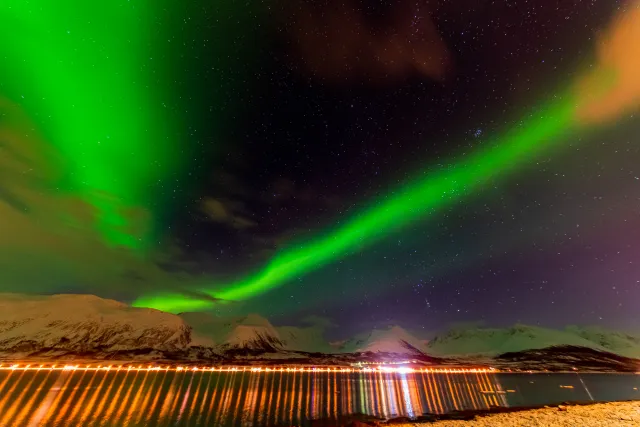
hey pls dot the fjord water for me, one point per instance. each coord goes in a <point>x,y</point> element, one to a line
<point>183,398</point>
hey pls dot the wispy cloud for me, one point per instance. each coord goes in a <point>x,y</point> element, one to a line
<point>336,41</point>
<point>613,88</point>
<point>226,212</point>
<point>49,240</point>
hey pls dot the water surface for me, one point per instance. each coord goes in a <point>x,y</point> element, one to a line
<point>184,398</point>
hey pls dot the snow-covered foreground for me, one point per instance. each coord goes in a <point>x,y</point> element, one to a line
<point>618,414</point>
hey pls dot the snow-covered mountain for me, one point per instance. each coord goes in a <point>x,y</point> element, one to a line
<point>565,358</point>
<point>616,342</point>
<point>389,340</point>
<point>495,341</point>
<point>251,332</point>
<point>309,339</point>
<point>85,324</point>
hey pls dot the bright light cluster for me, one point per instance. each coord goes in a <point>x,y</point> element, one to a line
<point>252,369</point>
<point>400,362</point>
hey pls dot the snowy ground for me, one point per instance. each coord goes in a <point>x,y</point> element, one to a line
<point>618,414</point>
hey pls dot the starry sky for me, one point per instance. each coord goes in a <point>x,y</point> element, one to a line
<point>238,132</point>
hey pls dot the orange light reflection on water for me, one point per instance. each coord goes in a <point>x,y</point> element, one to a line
<point>263,396</point>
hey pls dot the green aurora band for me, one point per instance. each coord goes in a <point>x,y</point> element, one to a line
<point>427,194</point>
<point>82,71</point>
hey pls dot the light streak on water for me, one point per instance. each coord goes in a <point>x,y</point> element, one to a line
<point>70,395</point>
<point>47,403</point>
<point>407,396</point>
<point>252,369</point>
<point>585,387</point>
<point>65,395</point>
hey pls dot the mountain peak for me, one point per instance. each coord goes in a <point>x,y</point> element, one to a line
<point>85,323</point>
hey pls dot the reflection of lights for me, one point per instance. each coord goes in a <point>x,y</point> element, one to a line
<point>254,369</point>
<point>407,396</point>
<point>260,394</point>
<point>390,369</point>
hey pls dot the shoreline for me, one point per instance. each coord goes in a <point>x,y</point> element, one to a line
<point>619,413</point>
<point>584,414</point>
<point>78,364</point>
<point>87,364</point>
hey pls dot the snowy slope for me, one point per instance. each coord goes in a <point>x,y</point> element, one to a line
<point>616,342</point>
<point>85,323</point>
<point>564,359</point>
<point>89,326</point>
<point>309,339</point>
<point>204,327</point>
<point>227,333</point>
<point>494,341</point>
<point>390,340</point>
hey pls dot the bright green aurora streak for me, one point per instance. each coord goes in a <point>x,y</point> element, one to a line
<point>83,71</point>
<point>420,198</point>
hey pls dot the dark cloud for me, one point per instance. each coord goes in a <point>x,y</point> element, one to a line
<point>281,189</point>
<point>201,296</point>
<point>340,40</point>
<point>230,184</point>
<point>319,321</point>
<point>25,161</point>
<point>226,212</point>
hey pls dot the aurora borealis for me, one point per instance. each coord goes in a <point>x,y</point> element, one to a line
<point>211,180</point>
<point>435,190</point>
<point>80,64</point>
<point>412,202</point>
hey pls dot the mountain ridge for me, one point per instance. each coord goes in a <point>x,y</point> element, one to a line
<point>485,341</point>
<point>89,327</point>
<point>85,323</point>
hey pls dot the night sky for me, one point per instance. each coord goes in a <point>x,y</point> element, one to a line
<point>271,124</point>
